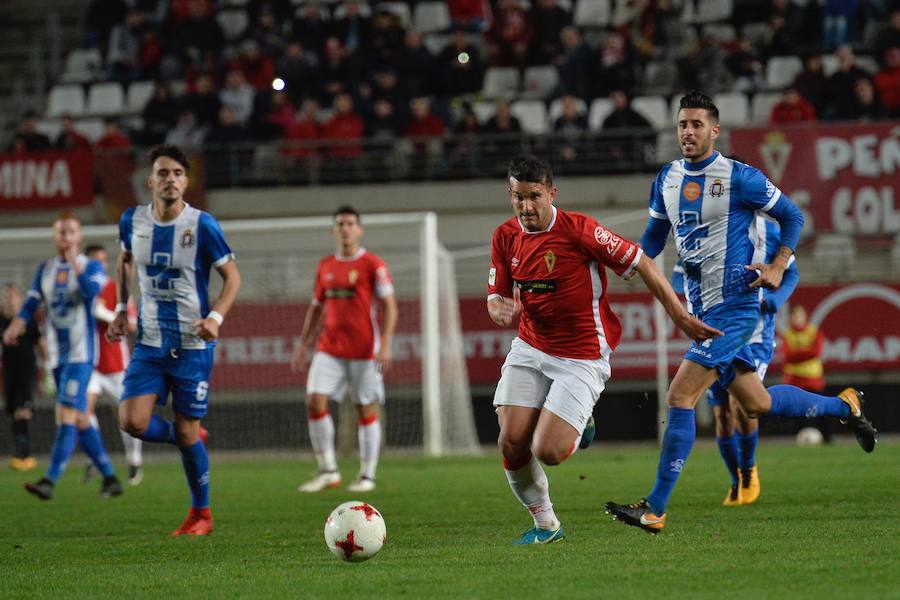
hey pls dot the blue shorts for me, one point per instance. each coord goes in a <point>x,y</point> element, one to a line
<point>159,371</point>
<point>717,395</point>
<point>72,383</point>
<point>725,352</point>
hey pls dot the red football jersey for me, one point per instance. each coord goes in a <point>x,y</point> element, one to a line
<point>113,355</point>
<point>347,288</point>
<point>561,278</point>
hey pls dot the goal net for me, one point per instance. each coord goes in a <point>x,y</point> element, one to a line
<point>257,403</point>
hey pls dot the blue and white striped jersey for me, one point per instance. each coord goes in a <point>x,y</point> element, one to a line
<point>173,262</point>
<point>712,207</point>
<point>71,332</point>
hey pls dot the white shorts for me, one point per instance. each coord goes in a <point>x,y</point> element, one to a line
<point>567,387</point>
<point>332,377</point>
<point>111,383</point>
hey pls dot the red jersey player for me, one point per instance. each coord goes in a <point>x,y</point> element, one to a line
<point>549,266</point>
<point>351,353</point>
<point>109,372</point>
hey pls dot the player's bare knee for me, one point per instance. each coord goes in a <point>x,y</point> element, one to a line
<point>680,399</point>
<point>511,447</point>
<point>551,455</point>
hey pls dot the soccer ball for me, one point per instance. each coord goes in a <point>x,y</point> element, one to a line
<point>810,436</point>
<point>355,531</point>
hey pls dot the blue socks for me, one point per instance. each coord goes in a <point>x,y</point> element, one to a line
<point>63,447</point>
<point>159,430</point>
<point>791,401</point>
<point>677,444</point>
<point>731,454</point>
<point>748,449</point>
<point>92,445</point>
<point>196,469</point>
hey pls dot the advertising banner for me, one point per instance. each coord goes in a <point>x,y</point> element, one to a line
<point>46,180</point>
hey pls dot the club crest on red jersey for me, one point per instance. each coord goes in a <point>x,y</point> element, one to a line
<point>352,276</point>
<point>550,260</point>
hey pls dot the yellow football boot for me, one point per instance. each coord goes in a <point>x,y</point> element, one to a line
<point>749,485</point>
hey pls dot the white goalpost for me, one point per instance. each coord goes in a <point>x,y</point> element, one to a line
<point>257,403</point>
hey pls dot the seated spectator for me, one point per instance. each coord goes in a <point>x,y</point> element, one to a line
<point>187,134</point>
<point>210,65</point>
<point>460,66</point>
<point>180,10</point>
<point>574,64</point>
<point>113,139</point>
<point>659,32</point>
<point>866,105</point>
<point>792,108</point>
<point>299,68</point>
<point>383,128</point>
<point>353,30</point>
<point>100,17</point>
<point>634,148</point>
<point>70,138</point>
<point>417,67</point>
<point>258,69</point>
<point>339,70</point>
<point>887,81</point>
<point>383,125</point>
<point>811,82</point>
<point>311,28</point>
<point>197,33</point>
<point>346,128</point>
<point>266,31</point>
<point>281,10</point>
<point>237,95</point>
<point>228,130</point>
<point>204,101</point>
<point>464,153</point>
<point>122,57</point>
<point>571,128</point>
<point>160,114</point>
<point>150,54</point>
<point>889,37</point>
<point>503,134</point>
<point>386,38</point>
<point>778,40</point>
<point>28,138</point>
<point>424,132</point>
<point>303,132</point>
<point>509,36</point>
<point>616,68</point>
<point>746,67</point>
<point>276,116</point>
<point>548,19</point>
<point>840,91</point>
<point>468,15</point>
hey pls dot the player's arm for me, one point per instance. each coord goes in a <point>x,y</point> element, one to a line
<point>659,286</point>
<point>311,324</point>
<point>208,327</point>
<point>502,309</point>
<point>118,327</point>
<point>101,313</point>
<point>33,300</point>
<point>775,299</point>
<point>389,323</point>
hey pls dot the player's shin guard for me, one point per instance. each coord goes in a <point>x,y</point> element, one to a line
<point>529,484</point>
<point>731,455</point>
<point>748,449</point>
<point>793,402</point>
<point>321,434</point>
<point>369,435</point>
<point>21,440</point>
<point>677,444</point>
<point>63,447</point>
<point>196,469</point>
<point>92,445</point>
<point>159,430</point>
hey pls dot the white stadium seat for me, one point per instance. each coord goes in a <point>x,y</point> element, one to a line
<point>500,82</point>
<point>734,109</point>
<point>556,109</point>
<point>654,109</point>
<point>92,129</point>
<point>401,9</point>
<point>82,66</point>
<point>600,109</point>
<point>431,17</point>
<point>105,99</point>
<point>436,42</point>
<point>66,99</point>
<point>139,93</point>
<point>233,23</point>
<point>484,111</point>
<point>532,115</point>
<point>541,81</point>
<point>660,77</point>
<point>591,13</point>
<point>781,71</point>
<point>50,127</point>
<point>761,107</point>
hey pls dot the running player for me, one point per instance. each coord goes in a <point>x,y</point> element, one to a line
<point>352,352</point>
<point>173,246</point>
<point>67,286</point>
<point>550,266</point>
<point>712,203</point>
<point>19,377</point>
<point>109,373</point>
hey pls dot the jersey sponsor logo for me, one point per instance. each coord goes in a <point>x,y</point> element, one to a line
<point>187,239</point>
<point>514,262</point>
<point>717,188</point>
<point>62,277</point>
<point>607,238</point>
<point>537,286</point>
<point>352,276</point>
<point>627,256</point>
<point>340,293</point>
<point>492,276</point>
<point>550,260</point>
<point>691,191</point>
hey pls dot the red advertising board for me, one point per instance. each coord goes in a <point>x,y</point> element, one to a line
<point>861,323</point>
<point>46,180</point>
<point>844,176</point>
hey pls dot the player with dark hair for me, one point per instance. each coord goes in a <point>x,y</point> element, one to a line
<point>352,352</point>
<point>712,202</point>
<point>67,286</point>
<point>549,266</point>
<point>173,246</point>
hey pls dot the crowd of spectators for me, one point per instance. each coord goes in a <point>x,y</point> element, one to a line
<point>349,71</point>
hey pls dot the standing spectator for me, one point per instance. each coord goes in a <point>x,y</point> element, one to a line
<point>616,69</point>
<point>204,101</point>
<point>574,64</point>
<point>237,95</point>
<point>266,32</point>
<point>811,82</point>
<point>160,114</point>
<point>801,347</point>
<point>460,66</point>
<point>792,108</point>
<point>631,149</point>
<point>887,81</point>
<point>187,133</point>
<point>122,57</point>
<point>198,33</point>
<point>310,28</point>
<point>99,19</point>
<point>468,15</point>
<point>28,138</point>
<point>745,67</point>
<point>417,66</point>
<point>386,37</point>
<point>509,36</point>
<point>258,69</point>
<point>548,19</point>
<point>353,29</point>
<point>70,138</point>
<point>840,90</point>
<point>571,128</point>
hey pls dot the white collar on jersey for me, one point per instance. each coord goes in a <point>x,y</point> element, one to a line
<point>359,253</point>
<point>700,167</point>
<point>166,223</point>
<point>549,227</point>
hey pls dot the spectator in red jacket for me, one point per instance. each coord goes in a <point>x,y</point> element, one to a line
<point>346,127</point>
<point>424,133</point>
<point>70,138</point>
<point>258,69</point>
<point>300,136</point>
<point>792,108</point>
<point>887,81</point>
<point>113,139</point>
<point>510,35</point>
<point>468,15</point>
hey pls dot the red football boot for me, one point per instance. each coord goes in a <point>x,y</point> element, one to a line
<point>198,522</point>
<point>203,434</point>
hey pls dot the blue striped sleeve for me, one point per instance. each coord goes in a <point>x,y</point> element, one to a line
<point>34,297</point>
<point>91,280</point>
<point>125,228</point>
<point>214,247</point>
<point>775,299</point>
<point>790,218</point>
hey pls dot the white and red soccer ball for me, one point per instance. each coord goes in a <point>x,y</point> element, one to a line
<point>355,531</point>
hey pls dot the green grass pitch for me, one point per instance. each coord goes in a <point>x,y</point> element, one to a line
<point>826,526</point>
